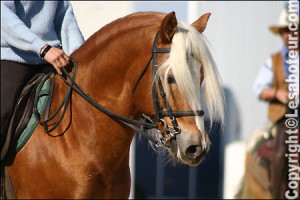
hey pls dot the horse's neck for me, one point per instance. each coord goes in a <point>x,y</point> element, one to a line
<point>109,64</point>
<point>111,60</point>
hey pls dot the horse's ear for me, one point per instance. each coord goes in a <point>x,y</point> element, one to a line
<point>168,28</point>
<point>200,24</point>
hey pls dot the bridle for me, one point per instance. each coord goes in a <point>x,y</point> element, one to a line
<point>159,113</point>
<point>142,126</point>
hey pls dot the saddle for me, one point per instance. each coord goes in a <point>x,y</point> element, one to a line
<point>264,147</point>
<point>259,153</point>
<point>35,99</point>
<point>37,87</point>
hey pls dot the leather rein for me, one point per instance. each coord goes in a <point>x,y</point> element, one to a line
<point>142,126</point>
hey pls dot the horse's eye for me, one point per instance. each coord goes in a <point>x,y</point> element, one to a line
<point>171,79</point>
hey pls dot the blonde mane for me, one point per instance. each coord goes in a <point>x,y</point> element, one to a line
<point>189,53</point>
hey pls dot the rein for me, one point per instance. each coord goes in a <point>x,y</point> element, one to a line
<point>142,126</point>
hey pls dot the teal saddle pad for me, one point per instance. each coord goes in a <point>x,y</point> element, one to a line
<point>43,98</point>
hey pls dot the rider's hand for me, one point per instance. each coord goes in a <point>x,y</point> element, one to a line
<point>282,96</point>
<point>56,57</point>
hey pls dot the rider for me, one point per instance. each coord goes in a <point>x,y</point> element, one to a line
<point>32,34</point>
<point>271,86</point>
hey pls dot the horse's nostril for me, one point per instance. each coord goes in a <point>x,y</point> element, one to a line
<point>193,151</point>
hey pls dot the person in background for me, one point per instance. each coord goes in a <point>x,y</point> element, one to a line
<point>36,36</point>
<point>271,86</point>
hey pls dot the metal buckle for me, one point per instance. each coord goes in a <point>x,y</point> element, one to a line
<point>177,130</point>
<point>172,132</point>
<point>165,126</point>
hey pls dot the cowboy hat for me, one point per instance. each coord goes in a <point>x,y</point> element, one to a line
<point>283,22</point>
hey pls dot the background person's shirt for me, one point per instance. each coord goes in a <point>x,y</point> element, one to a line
<point>264,79</point>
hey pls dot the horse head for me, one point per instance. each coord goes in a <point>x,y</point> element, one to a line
<point>183,72</point>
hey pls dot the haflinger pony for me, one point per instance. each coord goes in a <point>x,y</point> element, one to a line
<point>91,158</point>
